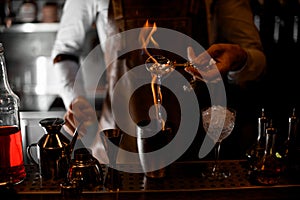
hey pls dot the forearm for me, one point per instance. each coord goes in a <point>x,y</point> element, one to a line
<point>68,45</point>
<point>71,84</point>
<point>236,26</point>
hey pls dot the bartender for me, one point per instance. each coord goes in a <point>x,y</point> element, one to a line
<point>224,28</point>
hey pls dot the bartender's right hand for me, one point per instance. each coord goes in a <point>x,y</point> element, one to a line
<point>80,111</point>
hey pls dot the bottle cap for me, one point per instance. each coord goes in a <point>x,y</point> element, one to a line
<point>271,129</point>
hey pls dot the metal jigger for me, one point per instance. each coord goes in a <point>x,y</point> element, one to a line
<point>111,140</point>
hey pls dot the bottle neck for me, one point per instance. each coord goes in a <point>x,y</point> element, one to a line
<point>292,128</point>
<point>270,143</point>
<point>9,101</point>
<point>5,89</point>
<point>4,84</point>
<point>262,126</point>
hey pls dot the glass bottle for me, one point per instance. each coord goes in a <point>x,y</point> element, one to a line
<point>28,11</point>
<point>12,170</point>
<point>268,168</point>
<point>290,147</point>
<point>256,151</point>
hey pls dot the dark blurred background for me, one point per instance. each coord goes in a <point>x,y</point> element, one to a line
<point>28,48</point>
<point>278,23</point>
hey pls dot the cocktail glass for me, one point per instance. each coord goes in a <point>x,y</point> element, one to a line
<point>218,123</point>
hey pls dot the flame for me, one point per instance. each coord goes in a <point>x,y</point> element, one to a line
<point>145,37</point>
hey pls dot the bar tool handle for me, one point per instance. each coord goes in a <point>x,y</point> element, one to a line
<point>29,155</point>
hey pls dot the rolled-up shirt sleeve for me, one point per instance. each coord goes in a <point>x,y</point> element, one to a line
<point>234,24</point>
<point>77,18</point>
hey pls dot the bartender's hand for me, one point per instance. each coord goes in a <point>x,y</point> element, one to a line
<point>80,111</point>
<point>219,58</point>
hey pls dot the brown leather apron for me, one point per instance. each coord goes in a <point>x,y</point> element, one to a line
<point>188,17</point>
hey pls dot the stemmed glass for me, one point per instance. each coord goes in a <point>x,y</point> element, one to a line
<point>218,123</point>
<point>160,67</point>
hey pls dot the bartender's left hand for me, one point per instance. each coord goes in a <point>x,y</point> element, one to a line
<point>227,57</point>
<point>80,112</point>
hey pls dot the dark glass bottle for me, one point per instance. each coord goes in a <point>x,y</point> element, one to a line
<point>268,168</point>
<point>290,148</point>
<point>256,151</point>
<point>12,170</point>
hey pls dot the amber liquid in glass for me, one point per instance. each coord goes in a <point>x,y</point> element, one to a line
<point>12,170</point>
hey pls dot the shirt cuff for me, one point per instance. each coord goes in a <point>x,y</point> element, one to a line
<point>232,75</point>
